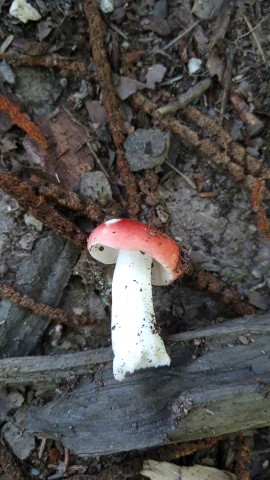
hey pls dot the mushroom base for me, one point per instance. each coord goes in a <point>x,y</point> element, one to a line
<point>135,338</point>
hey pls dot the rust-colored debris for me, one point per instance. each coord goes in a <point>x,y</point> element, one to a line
<point>183,449</point>
<point>67,199</point>
<point>36,205</point>
<point>221,150</point>
<point>204,147</point>
<point>76,67</point>
<point>21,120</point>
<point>224,140</point>
<point>10,464</point>
<point>97,34</point>
<point>57,315</point>
<point>263,223</point>
<point>242,458</point>
<point>207,282</point>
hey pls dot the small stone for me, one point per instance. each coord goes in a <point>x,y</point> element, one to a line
<point>256,273</point>
<point>63,82</point>
<point>35,472</point>
<point>146,148</point>
<point>161,9</point>
<point>21,442</point>
<point>106,6</point>
<point>258,300</point>
<point>33,222</point>
<point>95,186</point>
<point>194,65</point>
<point>24,11</point>
<point>6,73</point>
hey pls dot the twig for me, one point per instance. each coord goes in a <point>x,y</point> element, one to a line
<point>110,101</point>
<point>207,282</point>
<point>227,80</point>
<point>185,98</point>
<point>256,38</point>
<point>21,120</point>
<point>76,67</point>
<point>187,180</point>
<point>183,449</point>
<point>263,223</point>
<point>189,137</point>
<point>67,198</point>
<point>9,464</point>
<point>37,206</point>
<point>101,166</point>
<point>117,30</point>
<point>181,35</point>
<point>57,315</point>
<point>224,140</point>
<point>233,157</point>
<point>242,458</point>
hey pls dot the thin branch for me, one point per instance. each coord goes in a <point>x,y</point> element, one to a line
<point>256,38</point>
<point>21,120</point>
<point>36,205</point>
<point>110,101</point>
<point>181,35</point>
<point>57,315</point>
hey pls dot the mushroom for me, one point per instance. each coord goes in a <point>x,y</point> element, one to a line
<point>143,255</point>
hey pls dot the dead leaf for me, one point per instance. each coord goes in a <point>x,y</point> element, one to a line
<point>68,157</point>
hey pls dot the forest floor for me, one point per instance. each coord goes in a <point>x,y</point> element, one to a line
<point>156,111</point>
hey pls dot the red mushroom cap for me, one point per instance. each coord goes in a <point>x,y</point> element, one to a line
<point>108,238</point>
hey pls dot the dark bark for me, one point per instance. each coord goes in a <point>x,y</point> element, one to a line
<point>217,384</point>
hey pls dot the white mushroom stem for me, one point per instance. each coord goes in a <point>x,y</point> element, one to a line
<point>135,339</point>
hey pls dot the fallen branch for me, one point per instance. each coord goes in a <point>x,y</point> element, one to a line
<point>21,120</point>
<point>213,370</point>
<point>54,314</point>
<point>36,205</point>
<point>97,35</point>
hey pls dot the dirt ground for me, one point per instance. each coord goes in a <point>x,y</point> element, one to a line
<point>182,145</point>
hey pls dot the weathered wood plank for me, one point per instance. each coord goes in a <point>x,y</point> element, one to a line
<point>215,385</point>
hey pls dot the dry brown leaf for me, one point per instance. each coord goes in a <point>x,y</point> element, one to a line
<point>68,157</point>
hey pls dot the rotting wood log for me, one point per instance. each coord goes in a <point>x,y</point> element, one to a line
<point>217,383</point>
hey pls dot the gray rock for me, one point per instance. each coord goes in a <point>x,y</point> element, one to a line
<point>95,186</point>
<point>21,442</point>
<point>161,9</point>
<point>258,300</point>
<point>43,275</point>
<point>146,148</point>
<point>6,73</point>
